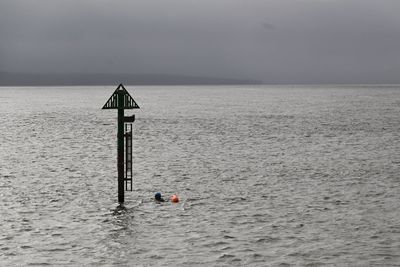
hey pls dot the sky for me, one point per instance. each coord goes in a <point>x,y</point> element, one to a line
<point>273,41</point>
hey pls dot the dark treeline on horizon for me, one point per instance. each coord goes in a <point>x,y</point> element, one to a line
<point>25,79</point>
<point>76,79</point>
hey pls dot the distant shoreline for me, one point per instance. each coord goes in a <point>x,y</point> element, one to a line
<point>31,79</point>
<point>27,79</point>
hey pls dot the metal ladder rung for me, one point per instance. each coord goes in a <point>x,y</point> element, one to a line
<point>128,156</point>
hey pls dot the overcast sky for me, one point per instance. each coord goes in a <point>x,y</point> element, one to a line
<point>304,41</point>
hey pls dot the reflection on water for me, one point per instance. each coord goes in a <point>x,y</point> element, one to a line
<point>266,176</point>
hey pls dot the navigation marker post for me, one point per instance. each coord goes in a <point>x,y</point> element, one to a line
<point>122,100</point>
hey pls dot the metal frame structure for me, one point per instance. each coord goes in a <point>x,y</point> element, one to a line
<point>128,156</point>
<point>122,100</point>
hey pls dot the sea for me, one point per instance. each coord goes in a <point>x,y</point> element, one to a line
<point>267,175</point>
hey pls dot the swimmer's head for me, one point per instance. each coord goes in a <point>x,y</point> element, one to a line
<point>157,196</point>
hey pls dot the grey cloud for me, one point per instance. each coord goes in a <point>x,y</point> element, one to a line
<point>274,41</point>
<point>268,26</point>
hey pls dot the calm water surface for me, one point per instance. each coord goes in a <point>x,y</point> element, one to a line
<point>267,176</point>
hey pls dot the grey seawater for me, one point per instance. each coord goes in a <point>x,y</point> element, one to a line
<point>267,176</point>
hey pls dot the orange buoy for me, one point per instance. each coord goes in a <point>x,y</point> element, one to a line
<point>174,198</point>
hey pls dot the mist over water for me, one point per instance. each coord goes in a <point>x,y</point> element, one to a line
<point>267,175</point>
